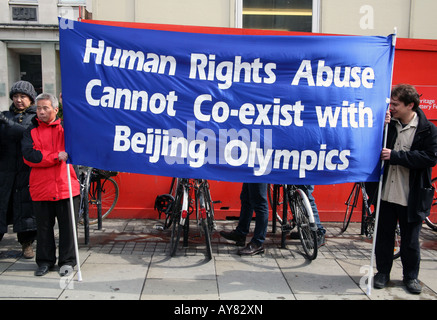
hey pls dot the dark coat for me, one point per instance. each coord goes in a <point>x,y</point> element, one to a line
<point>15,201</point>
<point>419,159</point>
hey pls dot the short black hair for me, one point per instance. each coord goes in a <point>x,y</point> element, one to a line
<point>407,94</point>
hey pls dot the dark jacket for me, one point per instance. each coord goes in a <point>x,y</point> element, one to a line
<point>41,145</point>
<point>15,201</point>
<point>419,159</point>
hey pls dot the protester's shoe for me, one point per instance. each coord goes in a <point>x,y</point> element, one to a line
<point>380,280</point>
<point>321,240</point>
<point>251,249</point>
<point>27,250</point>
<point>413,286</point>
<point>42,270</point>
<point>240,240</point>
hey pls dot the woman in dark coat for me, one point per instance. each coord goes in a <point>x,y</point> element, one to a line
<point>15,202</point>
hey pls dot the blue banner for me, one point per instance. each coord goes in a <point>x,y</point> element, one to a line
<point>242,108</point>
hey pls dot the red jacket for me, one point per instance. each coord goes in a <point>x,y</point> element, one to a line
<point>41,145</point>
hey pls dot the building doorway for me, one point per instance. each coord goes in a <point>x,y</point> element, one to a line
<point>30,70</point>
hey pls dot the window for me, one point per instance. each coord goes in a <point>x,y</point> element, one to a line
<point>24,13</point>
<point>72,2</point>
<point>287,15</point>
<point>24,10</point>
<point>30,70</point>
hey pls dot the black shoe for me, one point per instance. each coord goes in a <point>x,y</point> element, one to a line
<point>251,249</point>
<point>380,280</point>
<point>413,286</point>
<point>240,240</point>
<point>321,240</point>
<point>42,270</point>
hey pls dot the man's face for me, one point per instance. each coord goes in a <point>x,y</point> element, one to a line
<point>21,101</point>
<point>399,110</point>
<point>45,111</point>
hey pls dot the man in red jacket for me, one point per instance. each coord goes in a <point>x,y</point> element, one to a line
<point>44,151</point>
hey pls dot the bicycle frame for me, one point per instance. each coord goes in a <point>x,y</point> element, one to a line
<point>366,214</point>
<point>191,196</point>
<point>97,189</point>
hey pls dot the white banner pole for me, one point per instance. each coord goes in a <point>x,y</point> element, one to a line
<point>73,219</point>
<point>375,231</point>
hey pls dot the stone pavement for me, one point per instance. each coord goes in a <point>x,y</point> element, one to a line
<point>128,260</point>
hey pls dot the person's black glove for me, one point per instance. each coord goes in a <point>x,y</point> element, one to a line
<point>5,120</point>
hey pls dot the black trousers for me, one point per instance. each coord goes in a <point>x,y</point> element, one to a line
<point>23,237</point>
<point>390,213</point>
<point>46,212</point>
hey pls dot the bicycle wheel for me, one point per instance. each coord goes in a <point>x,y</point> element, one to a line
<point>180,218</point>
<point>209,206</point>
<point>306,228</point>
<point>176,217</point>
<point>205,228</point>
<point>351,203</point>
<point>84,180</point>
<point>204,207</point>
<point>103,195</point>
<point>176,234</point>
<point>431,220</point>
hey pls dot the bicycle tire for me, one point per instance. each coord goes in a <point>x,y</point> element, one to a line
<point>210,207</point>
<point>85,178</point>
<point>168,220</point>
<point>106,197</point>
<point>351,203</point>
<point>175,235</point>
<point>176,213</point>
<point>207,234</point>
<point>307,231</point>
<point>431,220</point>
<point>207,217</point>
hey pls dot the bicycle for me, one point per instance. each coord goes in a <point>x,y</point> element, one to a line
<point>367,216</point>
<point>99,194</point>
<point>296,212</point>
<point>192,195</point>
<point>431,220</point>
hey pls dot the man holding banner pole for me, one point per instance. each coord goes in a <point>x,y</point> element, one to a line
<point>407,193</point>
<point>44,151</point>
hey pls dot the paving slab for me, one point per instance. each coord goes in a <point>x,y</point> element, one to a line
<point>313,279</point>
<point>181,267</point>
<point>107,281</point>
<point>19,282</point>
<point>251,278</point>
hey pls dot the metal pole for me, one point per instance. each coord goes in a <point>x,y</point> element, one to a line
<point>73,219</point>
<point>375,231</point>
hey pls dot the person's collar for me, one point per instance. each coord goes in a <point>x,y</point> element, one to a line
<point>413,122</point>
<point>54,122</point>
